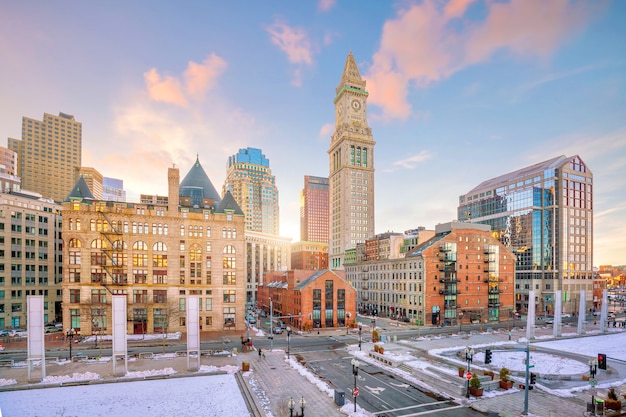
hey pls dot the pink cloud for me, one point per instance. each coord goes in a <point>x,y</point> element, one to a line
<point>197,80</point>
<point>165,90</point>
<point>420,47</point>
<point>292,41</point>
<point>200,78</point>
<point>326,5</point>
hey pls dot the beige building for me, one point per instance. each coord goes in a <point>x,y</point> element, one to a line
<point>30,230</point>
<point>49,154</point>
<point>156,255</point>
<point>94,181</point>
<point>351,162</point>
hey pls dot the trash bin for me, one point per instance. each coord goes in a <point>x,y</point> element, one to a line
<point>340,397</point>
<point>245,366</point>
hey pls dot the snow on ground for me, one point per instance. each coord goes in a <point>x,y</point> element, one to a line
<point>210,396</point>
<point>213,394</point>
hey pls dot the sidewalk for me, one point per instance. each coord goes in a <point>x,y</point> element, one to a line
<point>274,381</point>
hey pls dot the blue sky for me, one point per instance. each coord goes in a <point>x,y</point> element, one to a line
<point>460,91</point>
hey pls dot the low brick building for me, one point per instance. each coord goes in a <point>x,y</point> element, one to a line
<point>307,299</point>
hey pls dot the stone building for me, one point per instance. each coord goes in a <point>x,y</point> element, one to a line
<point>192,243</point>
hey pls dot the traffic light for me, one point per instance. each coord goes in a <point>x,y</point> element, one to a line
<point>602,361</point>
<point>488,356</point>
<point>533,378</point>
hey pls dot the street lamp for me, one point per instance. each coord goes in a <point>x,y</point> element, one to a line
<point>292,404</point>
<point>360,329</point>
<point>355,371</point>
<point>70,335</point>
<point>460,320</point>
<point>469,355</point>
<point>288,334</point>
<point>593,368</point>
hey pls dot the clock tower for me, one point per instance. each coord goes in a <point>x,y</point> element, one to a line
<point>351,157</point>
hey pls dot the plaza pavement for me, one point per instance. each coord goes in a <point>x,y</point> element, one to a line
<point>272,381</point>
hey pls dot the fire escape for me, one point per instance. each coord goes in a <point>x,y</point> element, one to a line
<point>493,281</point>
<point>448,280</point>
<point>113,251</point>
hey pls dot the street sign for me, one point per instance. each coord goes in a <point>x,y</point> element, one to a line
<point>468,376</point>
<point>267,322</point>
<point>593,382</point>
<point>355,392</point>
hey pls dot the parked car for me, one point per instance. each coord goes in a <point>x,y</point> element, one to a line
<point>251,319</point>
<point>4,332</point>
<point>51,328</point>
<point>17,332</point>
<point>278,330</point>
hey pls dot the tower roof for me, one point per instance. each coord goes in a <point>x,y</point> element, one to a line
<point>229,203</point>
<point>80,191</point>
<point>351,76</point>
<point>197,184</point>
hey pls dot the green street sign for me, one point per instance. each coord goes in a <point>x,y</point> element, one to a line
<point>267,322</point>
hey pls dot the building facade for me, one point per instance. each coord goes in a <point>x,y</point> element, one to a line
<point>94,181</point>
<point>308,300</point>
<point>30,240</point>
<point>8,158</point>
<point>155,255</point>
<point>462,274</point>
<point>314,209</point>
<point>544,214</point>
<point>49,154</point>
<point>113,189</point>
<point>309,255</point>
<point>351,164</point>
<point>249,179</point>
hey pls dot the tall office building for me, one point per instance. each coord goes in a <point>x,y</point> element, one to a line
<point>351,157</point>
<point>544,214</point>
<point>249,179</point>
<point>8,158</point>
<point>49,154</point>
<point>314,210</point>
<point>30,261</point>
<point>94,181</point>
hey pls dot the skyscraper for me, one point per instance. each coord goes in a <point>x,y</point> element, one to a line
<point>314,210</point>
<point>544,214</point>
<point>351,155</point>
<point>250,180</point>
<point>49,154</point>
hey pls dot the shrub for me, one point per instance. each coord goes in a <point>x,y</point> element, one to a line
<point>505,374</point>
<point>475,382</point>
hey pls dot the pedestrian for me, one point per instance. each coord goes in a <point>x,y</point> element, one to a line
<point>260,352</point>
<point>509,335</point>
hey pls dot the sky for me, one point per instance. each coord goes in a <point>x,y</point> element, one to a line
<point>460,91</point>
<point>111,399</point>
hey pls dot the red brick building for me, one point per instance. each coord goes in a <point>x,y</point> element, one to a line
<point>308,299</point>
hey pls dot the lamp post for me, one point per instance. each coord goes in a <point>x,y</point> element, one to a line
<point>288,334</point>
<point>593,367</point>
<point>292,404</point>
<point>469,355</point>
<point>271,325</point>
<point>355,371</point>
<point>360,329</point>
<point>460,320</point>
<point>70,335</point>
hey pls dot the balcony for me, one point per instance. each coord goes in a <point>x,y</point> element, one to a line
<point>449,292</point>
<point>494,291</point>
<point>449,280</point>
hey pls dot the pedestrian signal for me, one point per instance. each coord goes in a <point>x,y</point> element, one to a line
<point>533,378</point>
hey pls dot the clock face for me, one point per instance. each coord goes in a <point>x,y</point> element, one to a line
<point>356,104</point>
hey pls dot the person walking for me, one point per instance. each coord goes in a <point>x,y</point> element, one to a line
<point>260,353</point>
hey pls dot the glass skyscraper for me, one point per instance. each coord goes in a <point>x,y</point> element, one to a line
<point>544,214</point>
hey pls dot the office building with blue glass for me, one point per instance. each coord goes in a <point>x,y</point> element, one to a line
<point>544,214</point>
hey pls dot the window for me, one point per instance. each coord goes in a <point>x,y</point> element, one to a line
<point>140,296</point>
<point>209,304</point>
<point>98,296</point>
<point>181,304</point>
<point>229,278</point>
<point>229,316</point>
<point>160,296</point>
<point>74,296</point>
<point>229,296</point>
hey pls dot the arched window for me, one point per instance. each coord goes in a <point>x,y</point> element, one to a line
<point>140,245</point>
<point>74,243</point>
<point>159,247</point>
<point>98,244</point>
<point>229,249</point>
<point>92,225</point>
<point>71,224</point>
<point>120,245</point>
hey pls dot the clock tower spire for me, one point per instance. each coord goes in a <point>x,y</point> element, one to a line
<point>351,157</point>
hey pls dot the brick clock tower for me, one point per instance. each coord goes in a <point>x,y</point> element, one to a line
<point>351,157</point>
